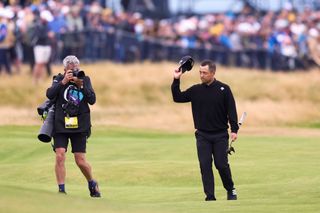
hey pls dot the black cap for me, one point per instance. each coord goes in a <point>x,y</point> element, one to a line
<point>186,63</point>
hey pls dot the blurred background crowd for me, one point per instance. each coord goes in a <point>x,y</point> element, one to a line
<point>283,39</point>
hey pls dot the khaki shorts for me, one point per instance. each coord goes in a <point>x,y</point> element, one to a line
<point>42,54</point>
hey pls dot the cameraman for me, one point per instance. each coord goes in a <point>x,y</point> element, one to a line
<point>72,93</point>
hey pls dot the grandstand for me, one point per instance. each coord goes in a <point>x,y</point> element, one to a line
<point>249,34</point>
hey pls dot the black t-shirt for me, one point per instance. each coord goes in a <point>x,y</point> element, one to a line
<point>39,34</point>
<point>212,105</point>
<point>79,98</point>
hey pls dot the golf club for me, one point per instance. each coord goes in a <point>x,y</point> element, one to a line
<point>231,149</point>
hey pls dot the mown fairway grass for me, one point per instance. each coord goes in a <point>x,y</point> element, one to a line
<point>150,171</point>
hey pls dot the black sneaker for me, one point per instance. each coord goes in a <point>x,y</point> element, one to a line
<point>210,198</point>
<point>94,190</point>
<point>62,192</point>
<point>232,195</point>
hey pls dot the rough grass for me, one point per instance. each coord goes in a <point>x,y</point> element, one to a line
<point>138,95</point>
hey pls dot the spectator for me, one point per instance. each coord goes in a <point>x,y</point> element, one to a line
<point>42,44</point>
<point>73,39</point>
<point>6,38</point>
<point>314,45</point>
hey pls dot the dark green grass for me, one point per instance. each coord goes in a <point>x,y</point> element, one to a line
<point>148,171</point>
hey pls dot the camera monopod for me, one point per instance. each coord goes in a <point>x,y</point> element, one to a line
<point>230,148</point>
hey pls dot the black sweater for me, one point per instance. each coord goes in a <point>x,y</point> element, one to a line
<point>57,92</point>
<point>212,105</point>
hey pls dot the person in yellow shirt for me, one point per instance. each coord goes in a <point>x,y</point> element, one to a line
<point>6,39</point>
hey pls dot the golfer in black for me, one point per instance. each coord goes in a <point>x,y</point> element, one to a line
<point>72,92</point>
<point>213,106</point>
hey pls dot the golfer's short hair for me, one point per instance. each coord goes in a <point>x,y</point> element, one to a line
<point>70,59</point>
<point>210,63</point>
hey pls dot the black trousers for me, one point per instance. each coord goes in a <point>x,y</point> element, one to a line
<point>213,147</point>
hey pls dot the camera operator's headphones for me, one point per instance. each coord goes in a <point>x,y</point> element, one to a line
<point>186,63</point>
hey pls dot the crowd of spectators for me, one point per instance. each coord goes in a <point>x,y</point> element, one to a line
<point>283,40</point>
